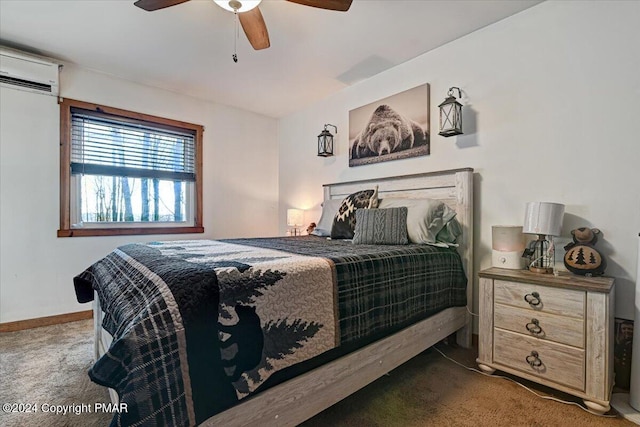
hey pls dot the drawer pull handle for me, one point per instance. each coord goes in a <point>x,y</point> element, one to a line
<point>533,299</point>
<point>533,360</point>
<point>534,327</point>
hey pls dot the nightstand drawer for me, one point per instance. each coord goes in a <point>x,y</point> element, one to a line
<point>563,302</point>
<point>551,327</point>
<point>558,363</point>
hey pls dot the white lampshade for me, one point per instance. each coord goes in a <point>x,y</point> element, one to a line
<point>295,217</point>
<point>543,218</point>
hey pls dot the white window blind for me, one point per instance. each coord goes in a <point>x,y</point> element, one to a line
<point>109,145</point>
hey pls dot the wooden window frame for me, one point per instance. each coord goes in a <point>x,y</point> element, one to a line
<point>65,174</point>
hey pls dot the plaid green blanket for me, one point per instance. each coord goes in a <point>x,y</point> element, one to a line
<point>383,287</point>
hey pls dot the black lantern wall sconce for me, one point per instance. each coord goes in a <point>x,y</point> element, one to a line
<point>325,142</point>
<point>451,114</point>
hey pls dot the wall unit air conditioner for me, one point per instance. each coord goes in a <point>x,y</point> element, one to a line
<point>23,71</point>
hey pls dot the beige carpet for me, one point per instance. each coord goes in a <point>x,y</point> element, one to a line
<point>49,365</point>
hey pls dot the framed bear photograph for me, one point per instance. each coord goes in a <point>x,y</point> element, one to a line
<point>393,128</point>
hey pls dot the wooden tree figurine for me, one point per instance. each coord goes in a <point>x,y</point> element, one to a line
<point>582,257</point>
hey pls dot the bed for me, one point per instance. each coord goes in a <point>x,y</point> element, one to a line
<point>339,352</point>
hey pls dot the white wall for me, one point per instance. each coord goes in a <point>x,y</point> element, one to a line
<point>36,268</point>
<point>552,113</point>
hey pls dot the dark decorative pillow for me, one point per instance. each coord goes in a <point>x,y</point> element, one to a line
<point>381,226</point>
<point>344,222</point>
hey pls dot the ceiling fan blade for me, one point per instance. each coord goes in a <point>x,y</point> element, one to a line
<point>254,27</point>
<point>151,5</point>
<point>339,5</point>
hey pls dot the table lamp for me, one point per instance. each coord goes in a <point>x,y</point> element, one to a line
<point>545,220</point>
<point>295,219</point>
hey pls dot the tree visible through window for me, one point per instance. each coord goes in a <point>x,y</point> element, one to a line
<point>128,173</point>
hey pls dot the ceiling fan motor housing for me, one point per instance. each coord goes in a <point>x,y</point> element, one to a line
<point>238,6</point>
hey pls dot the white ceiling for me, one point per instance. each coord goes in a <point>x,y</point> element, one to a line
<point>187,48</point>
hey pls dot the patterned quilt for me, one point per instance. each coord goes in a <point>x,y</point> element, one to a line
<point>199,325</point>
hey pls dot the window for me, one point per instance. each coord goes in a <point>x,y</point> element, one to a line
<point>127,173</point>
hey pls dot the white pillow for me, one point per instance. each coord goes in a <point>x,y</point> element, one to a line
<point>329,210</point>
<point>425,217</point>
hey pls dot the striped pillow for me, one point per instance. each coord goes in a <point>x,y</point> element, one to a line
<point>381,226</point>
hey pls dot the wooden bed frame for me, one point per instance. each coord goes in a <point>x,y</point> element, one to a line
<point>302,397</point>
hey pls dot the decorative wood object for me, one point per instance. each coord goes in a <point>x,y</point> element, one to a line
<point>582,257</point>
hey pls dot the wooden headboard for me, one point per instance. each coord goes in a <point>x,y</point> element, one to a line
<point>454,187</point>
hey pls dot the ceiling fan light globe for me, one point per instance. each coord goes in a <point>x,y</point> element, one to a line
<point>237,5</point>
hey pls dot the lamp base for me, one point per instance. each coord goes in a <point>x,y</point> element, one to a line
<point>510,260</point>
<point>294,232</point>
<point>541,270</point>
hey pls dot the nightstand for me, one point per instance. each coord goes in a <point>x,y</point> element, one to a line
<point>553,330</point>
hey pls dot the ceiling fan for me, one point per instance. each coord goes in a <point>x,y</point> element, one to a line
<point>249,14</point>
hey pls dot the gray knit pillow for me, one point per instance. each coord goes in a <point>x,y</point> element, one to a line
<point>381,226</point>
